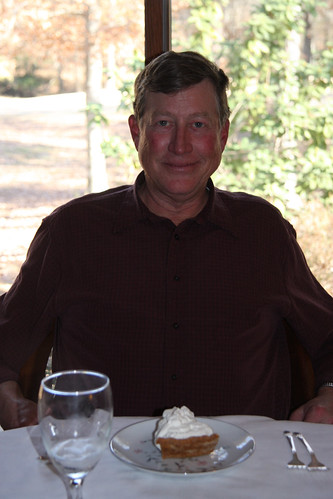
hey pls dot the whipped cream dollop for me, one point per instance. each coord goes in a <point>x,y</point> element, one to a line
<point>180,423</point>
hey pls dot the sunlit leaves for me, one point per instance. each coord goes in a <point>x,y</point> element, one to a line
<point>281,134</point>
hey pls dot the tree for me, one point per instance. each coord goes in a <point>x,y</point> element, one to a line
<point>97,178</point>
<point>281,128</point>
<point>76,32</point>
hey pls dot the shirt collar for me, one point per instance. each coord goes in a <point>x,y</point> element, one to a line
<point>216,210</point>
<point>133,210</point>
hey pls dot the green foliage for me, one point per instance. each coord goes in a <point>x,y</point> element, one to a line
<point>123,151</point>
<point>126,84</point>
<point>281,134</point>
<point>206,16</point>
<point>95,114</point>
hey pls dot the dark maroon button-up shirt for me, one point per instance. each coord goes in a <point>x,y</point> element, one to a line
<point>190,314</point>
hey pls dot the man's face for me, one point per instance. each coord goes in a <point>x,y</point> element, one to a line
<point>180,141</point>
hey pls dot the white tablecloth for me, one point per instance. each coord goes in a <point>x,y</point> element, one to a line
<point>263,475</point>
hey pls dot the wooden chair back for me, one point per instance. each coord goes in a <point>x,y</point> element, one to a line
<point>302,375</point>
<point>33,370</point>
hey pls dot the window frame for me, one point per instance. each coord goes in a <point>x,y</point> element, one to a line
<point>157,28</point>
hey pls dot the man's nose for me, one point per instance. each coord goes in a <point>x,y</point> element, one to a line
<point>180,142</point>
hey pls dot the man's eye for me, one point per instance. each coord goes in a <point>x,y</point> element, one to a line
<point>198,124</point>
<point>163,122</point>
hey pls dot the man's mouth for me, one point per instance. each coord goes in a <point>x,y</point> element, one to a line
<point>180,166</point>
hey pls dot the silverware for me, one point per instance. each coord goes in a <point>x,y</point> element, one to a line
<point>295,462</point>
<point>314,464</point>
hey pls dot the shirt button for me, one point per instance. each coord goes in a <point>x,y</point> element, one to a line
<point>177,237</point>
<point>176,278</point>
<point>175,325</point>
<point>174,377</point>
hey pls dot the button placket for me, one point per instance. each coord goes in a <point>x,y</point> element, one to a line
<point>175,264</point>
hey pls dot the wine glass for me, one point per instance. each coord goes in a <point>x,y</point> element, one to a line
<point>75,412</point>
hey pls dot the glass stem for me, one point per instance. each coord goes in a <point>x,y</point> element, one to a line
<point>74,488</point>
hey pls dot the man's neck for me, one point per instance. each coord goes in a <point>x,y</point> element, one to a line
<point>176,210</point>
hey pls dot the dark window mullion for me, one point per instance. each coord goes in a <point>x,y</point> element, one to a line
<point>157,28</point>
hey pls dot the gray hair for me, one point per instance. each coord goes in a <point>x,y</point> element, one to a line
<point>171,71</point>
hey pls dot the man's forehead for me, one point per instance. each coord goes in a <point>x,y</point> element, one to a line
<point>199,93</point>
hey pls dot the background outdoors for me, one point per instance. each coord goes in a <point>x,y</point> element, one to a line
<point>278,54</point>
<point>43,163</point>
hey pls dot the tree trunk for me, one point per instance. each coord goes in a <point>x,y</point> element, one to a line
<point>307,52</point>
<point>97,174</point>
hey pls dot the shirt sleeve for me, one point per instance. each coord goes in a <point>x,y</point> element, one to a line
<point>311,310</point>
<point>27,310</point>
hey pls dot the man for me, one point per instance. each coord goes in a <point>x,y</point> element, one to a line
<point>177,290</point>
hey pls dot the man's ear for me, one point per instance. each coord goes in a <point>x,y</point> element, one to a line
<point>224,134</point>
<point>134,129</point>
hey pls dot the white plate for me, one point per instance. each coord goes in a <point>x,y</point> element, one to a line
<point>134,445</point>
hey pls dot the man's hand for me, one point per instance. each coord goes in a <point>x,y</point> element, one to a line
<point>317,410</point>
<point>15,410</point>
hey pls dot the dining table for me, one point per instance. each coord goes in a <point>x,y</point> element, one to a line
<point>262,474</point>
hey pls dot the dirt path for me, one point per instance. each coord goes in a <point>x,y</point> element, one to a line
<point>43,163</point>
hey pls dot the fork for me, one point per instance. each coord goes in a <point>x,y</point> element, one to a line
<point>314,464</point>
<point>295,462</point>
